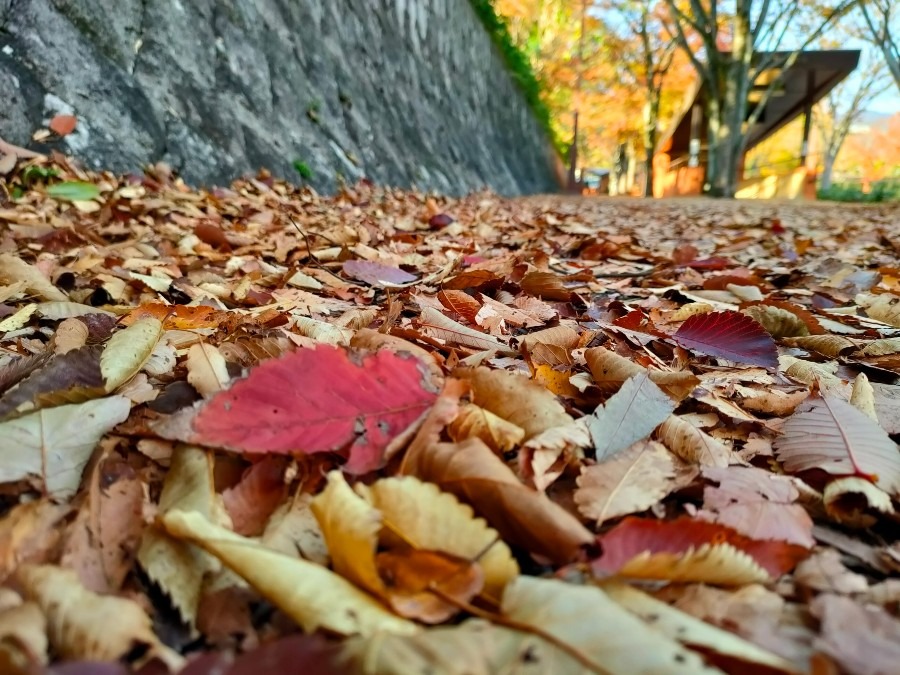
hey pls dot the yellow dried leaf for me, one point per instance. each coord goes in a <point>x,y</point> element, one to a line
<point>831,346</point>
<point>85,626</point>
<point>475,422</point>
<point>692,631</point>
<point>430,519</point>
<point>571,615</point>
<point>18,320</point>
<point>884,307</point>
<point>70,334</point>
<point>691,309</point>
<point>13,269</point>
<point>691,444</point>
<point>323,332</point>
<point>610,370</point>
<point>127,350</point>
<point>863,396</point>
<point>809,372</point>
<point>175,566</point>
<point>23,637</point>
<point>778,322</point>
<point>882,347</point>
<point>630,481</point>
<point>515,398</point>
<point>309,594</point>
<point>207,369</point>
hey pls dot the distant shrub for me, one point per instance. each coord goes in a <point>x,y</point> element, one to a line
<point>887,190</point>
<point>518,65</point>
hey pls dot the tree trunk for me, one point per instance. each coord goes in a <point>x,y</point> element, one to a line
<point>827,169</point>
<point>651,122</point>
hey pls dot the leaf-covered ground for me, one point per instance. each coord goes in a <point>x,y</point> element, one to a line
<point>259,430</point>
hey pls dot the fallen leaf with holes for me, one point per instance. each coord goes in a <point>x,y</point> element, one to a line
<point>317,400</point>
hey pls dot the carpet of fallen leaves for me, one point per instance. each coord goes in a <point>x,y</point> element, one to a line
<point>257,430</point>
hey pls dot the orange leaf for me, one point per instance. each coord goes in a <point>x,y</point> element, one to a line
<point>63,125</point>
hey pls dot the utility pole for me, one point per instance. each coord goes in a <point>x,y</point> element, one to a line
<point>573,149</point>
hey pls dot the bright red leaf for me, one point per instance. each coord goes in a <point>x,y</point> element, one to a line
<point>728,335</point>
<point>634,537</point>
<point>376,274</point>
<point>320,400</point>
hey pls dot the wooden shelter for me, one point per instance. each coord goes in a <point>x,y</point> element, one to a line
<point>680,158</point>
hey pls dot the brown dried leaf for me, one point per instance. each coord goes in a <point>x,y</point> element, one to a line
<point>475,422</point>
<point>691,444</point>
<point>523,516</point>
<point>630,482</point>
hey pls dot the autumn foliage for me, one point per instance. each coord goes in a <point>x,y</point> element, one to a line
<point>386,433</point>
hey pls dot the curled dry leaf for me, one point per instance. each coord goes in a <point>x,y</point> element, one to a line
<point>207,369</point>
<point>71,334</point>
<point>475,422</point>
<point>524,517</point>
<point>686,549</point>
<point>128,350</point>
<point>863,396</point>
<point>778,322</point>
<point>882,347</point>
<point>856,502</point>
<point>293,529</point>
<point>175,566</point>
<point>53,446</point>
<point>831,346</point>
<point>515,398</point>
<point>403,574</point>
<point>461,303</point>
<point>79,625</point>
<point>691,444</point>
<point>430,519</point>
<point>23,637</point>
<point>810,373</point>
<point>309,594</point>
<point>319,400</point>
<point>610,370</point>
<point>828,433</point>
<point>445,328</point>
<point>569,616</point>
<point>13,269</point>
<point>322,332</point>
<point>632,481</point>
<point>884,307</point>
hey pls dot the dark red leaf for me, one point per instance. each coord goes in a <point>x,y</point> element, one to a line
<point>634,536</point>
<point>728,335</point>
<point>376,274</point>
<point>319,400</point>
<point>684,253</point>
<point>715,263</point>
<point>440,221</point>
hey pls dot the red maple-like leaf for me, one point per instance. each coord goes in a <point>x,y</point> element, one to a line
<point>376,274</point>
<point>682,536</point>
<point>319,400</point>
<point>729,335</point>
<point>63,124</point>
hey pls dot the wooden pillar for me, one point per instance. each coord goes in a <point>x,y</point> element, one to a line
<point>807,115</point>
